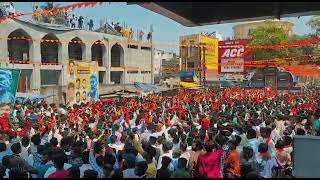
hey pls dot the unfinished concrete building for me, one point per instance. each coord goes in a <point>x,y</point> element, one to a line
<point>41,52</point>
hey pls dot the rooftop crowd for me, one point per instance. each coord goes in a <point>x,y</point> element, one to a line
<point>209,133</point>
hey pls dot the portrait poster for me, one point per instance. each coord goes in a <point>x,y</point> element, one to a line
<point>82,82</point>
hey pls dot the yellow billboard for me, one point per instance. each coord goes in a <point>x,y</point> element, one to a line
<point>82,82</point>
<point>211,53</point>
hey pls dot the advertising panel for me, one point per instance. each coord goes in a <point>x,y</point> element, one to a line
<point>82,82</point>
<point>211,53</point>
<point>187,76</point>
<point>234,65</point>
<point>232,57</point>
<point>9,81</point>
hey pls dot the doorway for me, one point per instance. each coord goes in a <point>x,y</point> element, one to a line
<point>270,81</point>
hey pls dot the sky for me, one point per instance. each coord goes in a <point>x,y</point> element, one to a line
<point>165,30</point>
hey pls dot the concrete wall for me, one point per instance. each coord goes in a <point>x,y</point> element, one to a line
<point>158,56</point>
<point>133,58</point>
<point>241,31</point>
<point>139,58</point>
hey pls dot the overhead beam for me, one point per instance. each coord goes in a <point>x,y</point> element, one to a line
<point>165,12</point>
<point>187,18</point>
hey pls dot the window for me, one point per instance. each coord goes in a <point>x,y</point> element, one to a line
<point>132,72</point>
<point>145,48</point>
<point>145,72</point>
<point>131,46</point>
<point>190,64</point>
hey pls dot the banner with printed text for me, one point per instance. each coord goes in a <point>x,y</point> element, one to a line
<point>232,57</point>
<point>82,82</point>
<point>9,81</point>
<point>211,52</point>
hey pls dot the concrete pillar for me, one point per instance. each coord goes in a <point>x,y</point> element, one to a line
<point>4,53</point>
<point>35,52</point>
<point>35,81</point>
<point>108,65</point>
<point>63,60</point>
<point>124,75</point>
<point>105,63</point>
<point>86,57</point>
<point>105,56</point>
<point>63,55</point>
<point>35,57</point>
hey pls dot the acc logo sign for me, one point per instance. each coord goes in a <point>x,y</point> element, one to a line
<point>233,53</point>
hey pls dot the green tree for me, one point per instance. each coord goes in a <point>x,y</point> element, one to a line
<point>297,51</point>
<point>314,23</point>
<point>269,34</point>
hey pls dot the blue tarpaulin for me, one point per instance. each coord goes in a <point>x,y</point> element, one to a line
<point>147,87</point>
<point>31,96</point>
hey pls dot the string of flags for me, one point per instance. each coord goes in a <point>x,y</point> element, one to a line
<point>53,10</point>
<point>293,44</point>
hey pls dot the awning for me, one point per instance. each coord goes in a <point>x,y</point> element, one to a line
<point>206,13</point>
<point>190,84</point>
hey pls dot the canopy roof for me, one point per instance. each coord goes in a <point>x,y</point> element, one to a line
<point>205,13</point>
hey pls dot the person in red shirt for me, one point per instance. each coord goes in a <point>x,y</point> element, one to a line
<point>205,122</point>
<point>60,172</point>
<point>209,163</point>
<point>232,163</point>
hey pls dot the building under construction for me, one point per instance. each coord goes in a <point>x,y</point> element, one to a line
<point>41,51</point>
<point>200,53</point>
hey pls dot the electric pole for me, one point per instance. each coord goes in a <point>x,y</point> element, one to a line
<point>200,63</point>
<point>152,63</point>
<point>204,65</point>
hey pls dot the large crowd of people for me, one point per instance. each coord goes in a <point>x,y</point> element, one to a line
<point>211,133</point>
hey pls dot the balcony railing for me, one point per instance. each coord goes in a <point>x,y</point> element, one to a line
<point>50,63</point>
<point>16,61</point>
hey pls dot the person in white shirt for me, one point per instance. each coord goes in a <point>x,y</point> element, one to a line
<point>55,133</point>
<point>167,151</point>
<point>114,145</point>
<point>275,135</point>
<point>26,151</point>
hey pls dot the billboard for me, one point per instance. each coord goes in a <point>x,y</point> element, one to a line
<point>232,57</point>
<point>9,81</point>
<point>82,82</point>
<point>193,56</point>
<point>211,53</point>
